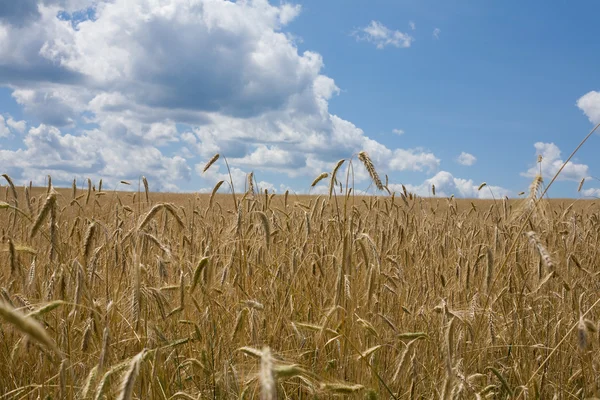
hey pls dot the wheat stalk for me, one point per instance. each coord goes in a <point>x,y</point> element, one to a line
<point>13,190</point>
<point>210,162</point>
<point>146,189</point>
<point>268,385</point>
<point>149,215</point>
<point>265,224</point>
<point>130,376</point>
<point>368,163</point>
<point>332,179</point>
<point>319,178</point>
<point>250,184</point>
<point>28,326</point>
<point>49,204</point>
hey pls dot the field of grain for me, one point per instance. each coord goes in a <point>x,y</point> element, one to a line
<point>145,295</point>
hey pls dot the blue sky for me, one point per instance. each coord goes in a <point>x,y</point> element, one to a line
<point>437,93</point>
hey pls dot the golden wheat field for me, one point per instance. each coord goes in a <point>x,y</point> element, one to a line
<point>145,295</point>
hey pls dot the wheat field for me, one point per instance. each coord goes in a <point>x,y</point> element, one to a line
<point>109,294</point>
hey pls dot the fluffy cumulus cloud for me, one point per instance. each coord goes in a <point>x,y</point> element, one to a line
<point>55,106</point>
<point>382,36</point>
<point>124,88</point>
<point>8,126</point>
<point>20,12</point>
<point>447,185</point>
<point>4,131</point>
<point>590,105</point>
<point>466,159</point>
<point>48,151</point>
<point>16,126</point>
<point>551,163</point>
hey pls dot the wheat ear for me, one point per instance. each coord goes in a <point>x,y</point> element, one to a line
<point>210,162</point>
<point>146,189</point>
<point>268,387</point>
<point>250,183</point>
<point>131,375</point>
<point>368,163</point>
<point>319,178</point>
<point>12,188</point>
<point>50,202</point>
<point>332,180</point>
<point>28,325</point>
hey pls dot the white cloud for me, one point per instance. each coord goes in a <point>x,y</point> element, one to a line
<point>8,126</point>
<point>48,151</point>
<point>412,25</point>
<point>4,131</point>
<point>590,105</point>
<point>288,12</point>
<point>151,88</point>
<point>270,157</point>
<point>18,126</point>
<point>382,36</point>
<point>262,185</point>
<point>591,192</point>
<point>53,105</point>
<point>398,131</point>
<point>19,12</point>
<point>141,49</point>
<point>551,163</point>
<point>466,159</point>
<point>413,160</point>
<point>447,185</point>
<point>436,33</point>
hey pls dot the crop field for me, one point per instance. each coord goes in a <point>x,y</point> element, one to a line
<point>112,294</point>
